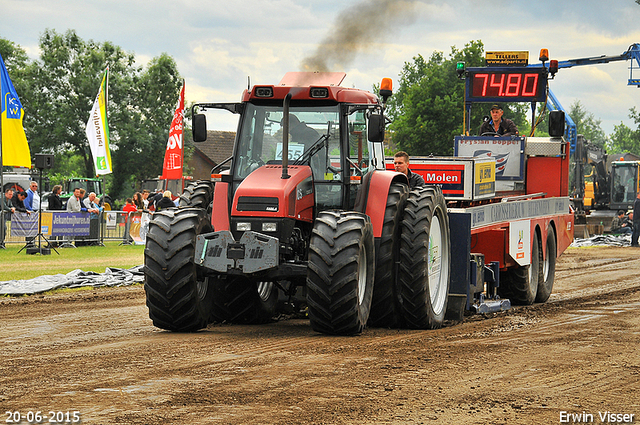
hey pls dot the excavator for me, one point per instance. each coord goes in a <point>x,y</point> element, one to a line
<point>603,183</point>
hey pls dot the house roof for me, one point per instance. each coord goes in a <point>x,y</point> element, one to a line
<point>217,147</point>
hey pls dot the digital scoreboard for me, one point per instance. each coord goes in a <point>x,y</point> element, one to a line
<point>506,84</point>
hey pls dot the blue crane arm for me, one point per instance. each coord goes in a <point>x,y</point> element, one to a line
<point>632,54</point>
<point>553,104</point>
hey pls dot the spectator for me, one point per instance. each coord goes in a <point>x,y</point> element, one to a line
<point>618,225</point>
<point>129,206</point>
<point>7,209</point>
<point>165,202</point>
<point>137,201</point>
<point>18,203</point>
<point>145,199</point>
<point>155,199</point>
<point>636,221</point>
<point>55,203</point>
<point>32,202</point>
<point>401,164</point>
<point>74,204</point>
<point>629,219</point>
<point>94,226</point>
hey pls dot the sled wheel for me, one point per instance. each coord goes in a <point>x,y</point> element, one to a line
<point>520,284</point>
<point>341,272</point>
<point>545,286</point>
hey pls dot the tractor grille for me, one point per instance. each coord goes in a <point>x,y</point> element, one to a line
<point>257,203</point>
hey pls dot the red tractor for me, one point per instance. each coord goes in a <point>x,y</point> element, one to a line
<point>305,212</point>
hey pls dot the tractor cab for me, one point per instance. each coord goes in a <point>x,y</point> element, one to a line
<point>327,131</point>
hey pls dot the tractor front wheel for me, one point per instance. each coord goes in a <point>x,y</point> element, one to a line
<point>178,296</point>
<point>341,272</point>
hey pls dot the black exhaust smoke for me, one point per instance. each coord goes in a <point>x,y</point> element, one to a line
<point>356,29</point>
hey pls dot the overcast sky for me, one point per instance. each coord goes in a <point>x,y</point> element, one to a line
<point>219,44</point>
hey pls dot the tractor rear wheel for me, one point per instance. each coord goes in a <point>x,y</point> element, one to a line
<point>385,308</point>
<point>545,286</point>
<point>341,272</point>
<point>197,194</point>
<point>520,284</point>
<point>179,297</point>
<point>425,259</point>
<point>238,299</point>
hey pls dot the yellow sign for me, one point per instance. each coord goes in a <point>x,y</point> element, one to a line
<point>46,223</point>
<point>507,58</point>
<point>485,172</point>
<point>485,181</point>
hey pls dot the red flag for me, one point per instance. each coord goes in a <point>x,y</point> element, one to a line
<point>172,168</point>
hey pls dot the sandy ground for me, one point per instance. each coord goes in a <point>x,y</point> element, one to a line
<point>96,353</point>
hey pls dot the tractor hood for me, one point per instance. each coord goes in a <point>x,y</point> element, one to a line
<point>263,193</point>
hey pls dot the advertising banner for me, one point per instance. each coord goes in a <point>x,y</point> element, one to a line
<point>70,224</point>
<point>507,151</point>
<point>24,225</point>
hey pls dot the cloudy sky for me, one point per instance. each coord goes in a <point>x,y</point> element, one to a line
<point>219,44</point>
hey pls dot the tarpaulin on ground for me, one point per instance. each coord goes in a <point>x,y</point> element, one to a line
<point>603,240</point>
<point>74,279</point>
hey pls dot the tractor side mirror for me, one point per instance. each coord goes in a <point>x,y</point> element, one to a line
<point>199,129</point>
<point>375,131</point>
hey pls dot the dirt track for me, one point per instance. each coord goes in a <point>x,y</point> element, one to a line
<point>96,352</point>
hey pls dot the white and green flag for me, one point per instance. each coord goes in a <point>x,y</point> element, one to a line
<point>98,130</point>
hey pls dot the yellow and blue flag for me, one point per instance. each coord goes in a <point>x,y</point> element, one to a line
<point>15,149</point>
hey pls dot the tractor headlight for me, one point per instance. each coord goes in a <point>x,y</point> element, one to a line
<point>269,227</point>
<point>243,227</point>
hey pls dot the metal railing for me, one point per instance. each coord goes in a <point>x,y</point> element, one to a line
<point>127,227</point>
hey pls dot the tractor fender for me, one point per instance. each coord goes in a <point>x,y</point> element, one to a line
<point>372,198</point>
<point>220,211</point>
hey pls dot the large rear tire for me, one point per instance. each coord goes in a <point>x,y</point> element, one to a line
<point>238,299</point>
<point>520,284</point>
<point>385,307</point>
<point>197,194</point>
<point>341,272</point>
<point>178,296</point>
<point>425,259</point>
<point>545,286</point>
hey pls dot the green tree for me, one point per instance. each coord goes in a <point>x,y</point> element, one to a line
<point>15,58</point>
<point>144,123</point>
<point>624,139</point>
<point>58,91</point>
<point>587,124</point>
<point>428,108</point>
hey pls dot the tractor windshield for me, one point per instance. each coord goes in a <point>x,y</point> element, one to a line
<point>313,139</point>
